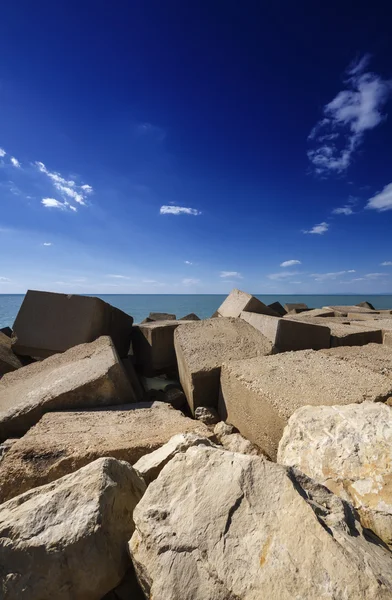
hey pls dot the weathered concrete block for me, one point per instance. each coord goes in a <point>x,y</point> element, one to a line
<point>277,308</point>
<point>84,376</point>
<point>260,394</point>
<point>287,335</point>
<point>7,331</point>
<point>8,360</point>
<point>190,317</point>
<point>48,323</point>
<point>375,357</point>
<point>366,305</point>
<point>293,306</point>
<point>352,335</point>
<point>133,377</point>
<point>153,346</point>
<point>314,312</point>
<point>201,349</point>
<point>161,316</point>
<point>343,310</point>
<point>63,442</point>
<point>67,540</point>
<point>237,301</point>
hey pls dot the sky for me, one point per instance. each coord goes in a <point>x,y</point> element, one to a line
<point>192,147</point>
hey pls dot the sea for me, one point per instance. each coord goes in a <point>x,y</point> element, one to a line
<point>204,305</point>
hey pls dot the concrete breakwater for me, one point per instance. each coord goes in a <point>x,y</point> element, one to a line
<point>243,456</point>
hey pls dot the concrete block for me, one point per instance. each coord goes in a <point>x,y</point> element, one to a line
<point>287,335</point>
<point>366,305</point>
<point>8,360</point>
<point>153,346</point>
<point>260,394</point>
<point>293,306</point>
<point>202,347</point>
<point>159,316</point>
<point>84,376</point>
<point>190,317</point>
<point>6,331</point>
<point>278,308</point>
<point>48,323</point>
<point>238,301</point>
<point>344,309</point>
<point>314,312</point>
<point>375,357</point>
<point>63,442</point>
<point>352,335</point>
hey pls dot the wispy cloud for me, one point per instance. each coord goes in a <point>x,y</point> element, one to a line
<point>226,274</point>
<point>53,203</point>
<point>188,262</point>
<point>119,276</point>
<point>5,280</point>
<point>318,229</point>
<point>290,263</point>
<point>329,276</point>
<point>381,201</point>
<point>15,162</point>
<point>347,117</point>
<point>2,152</point>
<point>343,210</point>
<point>190,281</point>
<point>386,263</point>
<point>374,275</point>
<point>148,129</point>
<point>283,275</point>
<point>47,244</point>
<point>178,210</point>
<point>68,188</point>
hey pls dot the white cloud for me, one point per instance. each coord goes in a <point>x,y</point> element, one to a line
<point>47,244</point>
<point>188,262</point>
<point>2,152</point>
<point>374,275</point>
<point>290,263</point>
<point>386,263</point>
<point>381,201</point>
<point>119,276</point>
<point>52,203</point>
<point>15,162</point>
<point>318,229</point>
<point>5,280</point>
<point>328,276</point>
<point>347,117</point>
<point>178,210</point>
<point>283,275</point>
<point>344,210</point>
<point>67,187</point>
<point>190,281</point>
<point>235,274</point>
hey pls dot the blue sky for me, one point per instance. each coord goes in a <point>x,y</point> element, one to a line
<point>174,147</point>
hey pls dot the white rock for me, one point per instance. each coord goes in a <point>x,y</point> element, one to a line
<point>68,539</point>
<point>218,525</point>
<point>235,442</point>
<point>348,449</point>
<point>222,429</point>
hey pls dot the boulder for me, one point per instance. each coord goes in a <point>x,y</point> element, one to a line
<point>153,346</point>
<point>63,442</point>
<point>68,539</point>
<point>190,317</point>
<point>235,442</point>
<point>176,398</point>
<point>288,335</point>
<point>8,360</point>
<point>277,308</point>
<point>202,347</point>
<point>207,415</point>
<point>128,589</point>
<point>221,429</point>
<point>84,376</point>
<point>295,306</point>
<point>349,450</point>
<point>150,465</point>
<point>238,301</point>
<point>252,529</point>
<point>48,323</point>
<point>161,316</point>
<point>260,394</point>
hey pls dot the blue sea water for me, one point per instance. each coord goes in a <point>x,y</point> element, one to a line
<point>204,305</point>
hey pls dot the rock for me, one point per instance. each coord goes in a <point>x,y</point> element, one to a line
<point>176,398</point>
<point>366,305</point>
<point>153,345</point>
<point>207,415</point>
<point>260,394</point>
<point>161,316</point>
<point>68,539</point>
<point>48,323</point>
<point>190,317</point>
<point>269,532</point>
<point>235,442</point>
<point>146,320</point>
<point>238,301</point>
<point>288,335</point>
<point>349,450</point>
<point>375,357</point>
<point>8,360</point>
<point>133,377</point>
<point>294,306</point>
<point>6,445</point>
<point>202,347</point>
<point>222,429</point>
<point>277,308</point>
<point>65,441</point>
<point>150,465</point>
<point>128,589</point>
<point>6,331</point>
<point>84,376</point>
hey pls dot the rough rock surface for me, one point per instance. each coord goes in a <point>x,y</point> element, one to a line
<point>207,415</point>
<point>202,347</point>
<point>222,429</point>
<point>63,442</point>
<point>150,465</point>
<point>348,449</point>
<point>237,301</point>
<point>251,529</point>
<point>8,360</point>
<point>260,394</point>
<point>375,357</point>
<point>86,375</point>
<point>68,539</point>
<point>235,442</point>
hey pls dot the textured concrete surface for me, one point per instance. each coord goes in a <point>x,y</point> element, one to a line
<point>84,376</point>
<point>314,312</point>
<point>259,395</point>
<point>48,323</point>
<point>202,347</point>
<point>238,301</point>
<point>295,306</point>
<point>8,360</point>
<point>287,335</point>
<point>376,357</point>
<point>345,332</point>
<point>63,442</point>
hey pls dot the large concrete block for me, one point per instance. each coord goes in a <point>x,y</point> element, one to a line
<point>48,323</point>
<point>201,349</point>
<point>375,357</point>
<point>160,316</point>
<point>344,309</point>
<point>278,308</point>
<point>153,346</point>
<point>63,442</point>
<point>345,332</point>
<point>259,395</point>
<point>8,360</point>
<point>314,312</point>
<point>84,376</point>
<point>295,306</point>
<point>286,335</point>
<point>237,301</point>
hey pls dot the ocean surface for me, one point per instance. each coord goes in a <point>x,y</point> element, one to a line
<point>204,305</point>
